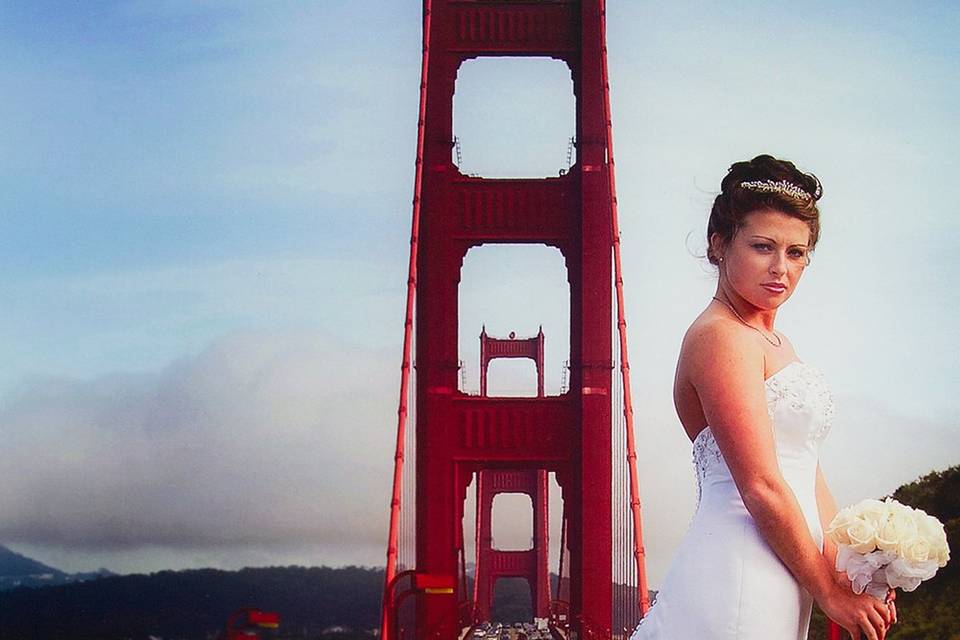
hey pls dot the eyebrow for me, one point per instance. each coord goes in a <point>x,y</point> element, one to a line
<point>775,242</point>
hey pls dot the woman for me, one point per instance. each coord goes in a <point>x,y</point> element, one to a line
<point>754,558</point>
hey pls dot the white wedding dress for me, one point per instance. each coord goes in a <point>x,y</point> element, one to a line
<point>725,582</point>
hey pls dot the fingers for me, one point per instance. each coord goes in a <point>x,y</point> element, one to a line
<point>872,619</point>
<point>865,631</point>
<point>872,626</point>
<point>878,621</point>
<point>884,611</point>
<point>891,607</point>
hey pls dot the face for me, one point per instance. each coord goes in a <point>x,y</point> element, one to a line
<point>764,260</point>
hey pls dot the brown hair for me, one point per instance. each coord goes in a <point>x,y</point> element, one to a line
<point>734,203</point>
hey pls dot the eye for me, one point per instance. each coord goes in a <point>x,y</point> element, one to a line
<point>761,246</point>
<point>798,254</point>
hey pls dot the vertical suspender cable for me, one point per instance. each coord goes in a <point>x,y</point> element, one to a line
<point>618,493</point>
<point>477,543</point>
<point>643,598</point>
<point>563,553</point>
<point>398,457</point>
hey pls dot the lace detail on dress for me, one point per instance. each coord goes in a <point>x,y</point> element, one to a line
<point>813,394</point>
<point>706,451</point>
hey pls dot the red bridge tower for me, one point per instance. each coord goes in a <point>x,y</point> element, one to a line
<point>531,564</point>
<point>459,436</point>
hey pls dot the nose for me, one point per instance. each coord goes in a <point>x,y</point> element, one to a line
<point>778,263</point>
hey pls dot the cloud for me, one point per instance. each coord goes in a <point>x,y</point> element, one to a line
<point>262,440</point>
<point>271,448</point>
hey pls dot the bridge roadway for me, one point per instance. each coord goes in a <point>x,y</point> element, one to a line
<point>502,631</point>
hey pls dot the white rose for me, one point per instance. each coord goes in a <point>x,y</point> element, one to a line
<point>898,507</point>
<point>873,511</point>
<point>837,529</point>
<point>915,549</point>
<point>863,536</point>
<point>900,526</point>
<point>942,554</point>
<point>932,530</point>
<point>929,527</point>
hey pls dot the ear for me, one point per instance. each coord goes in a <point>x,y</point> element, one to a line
<point>716,245</point>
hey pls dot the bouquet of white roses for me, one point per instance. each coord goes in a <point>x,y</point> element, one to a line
<point>885,545</point>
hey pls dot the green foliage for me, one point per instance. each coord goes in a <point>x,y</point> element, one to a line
<point>932,612</point>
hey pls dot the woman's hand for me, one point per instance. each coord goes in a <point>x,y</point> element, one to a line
<point>891,596</point>
<point>863,616</point>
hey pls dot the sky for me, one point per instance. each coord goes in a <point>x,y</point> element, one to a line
<point>204,227</point>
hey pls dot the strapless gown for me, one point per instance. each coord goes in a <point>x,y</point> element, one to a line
<point>725,582</point>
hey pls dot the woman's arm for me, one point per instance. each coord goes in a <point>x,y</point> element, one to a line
<point>725,365</point>
<point>827,509</point>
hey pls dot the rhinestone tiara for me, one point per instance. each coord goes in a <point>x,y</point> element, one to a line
<point>777,186</point>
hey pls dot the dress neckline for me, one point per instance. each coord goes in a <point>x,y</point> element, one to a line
<point>781,370</point>
<point>706,429</point>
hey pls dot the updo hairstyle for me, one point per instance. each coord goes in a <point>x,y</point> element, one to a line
<point>731,206</point>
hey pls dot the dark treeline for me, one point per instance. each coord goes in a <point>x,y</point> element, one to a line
<point>193,604</point>
<point>932,612</point>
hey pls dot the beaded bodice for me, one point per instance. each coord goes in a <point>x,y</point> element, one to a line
<point>801,409</point>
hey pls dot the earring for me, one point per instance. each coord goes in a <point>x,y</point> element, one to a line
<point>720,259</point>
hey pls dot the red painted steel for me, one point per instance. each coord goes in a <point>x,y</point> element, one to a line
<point>247,623</point>
<point>450,445</point>
<point>532,564</point>
<point>512,347</point>
<point>459,435</point>
<point>511,432</point>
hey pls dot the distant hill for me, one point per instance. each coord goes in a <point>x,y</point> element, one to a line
<point>193,604</point>
<point>932,611</point>
<point>14,564</point>
<point>20,571</point>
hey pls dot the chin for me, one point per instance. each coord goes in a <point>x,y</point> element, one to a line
<point>769,301</point>
<point>778,299</point>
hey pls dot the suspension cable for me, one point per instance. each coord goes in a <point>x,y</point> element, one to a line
<point>638,551</point>
<point>399,455</point>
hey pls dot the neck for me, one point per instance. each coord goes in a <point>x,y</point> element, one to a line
<point>761,318</point>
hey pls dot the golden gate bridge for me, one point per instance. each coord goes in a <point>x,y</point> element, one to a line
<point>449,440</point>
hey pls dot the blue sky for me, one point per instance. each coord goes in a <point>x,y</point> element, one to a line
<point>204,207</point>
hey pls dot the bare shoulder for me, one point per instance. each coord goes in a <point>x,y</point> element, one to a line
<point>786,341</point>
<point>717,348</point>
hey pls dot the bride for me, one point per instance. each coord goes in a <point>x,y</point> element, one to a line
<point>754,558</point>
